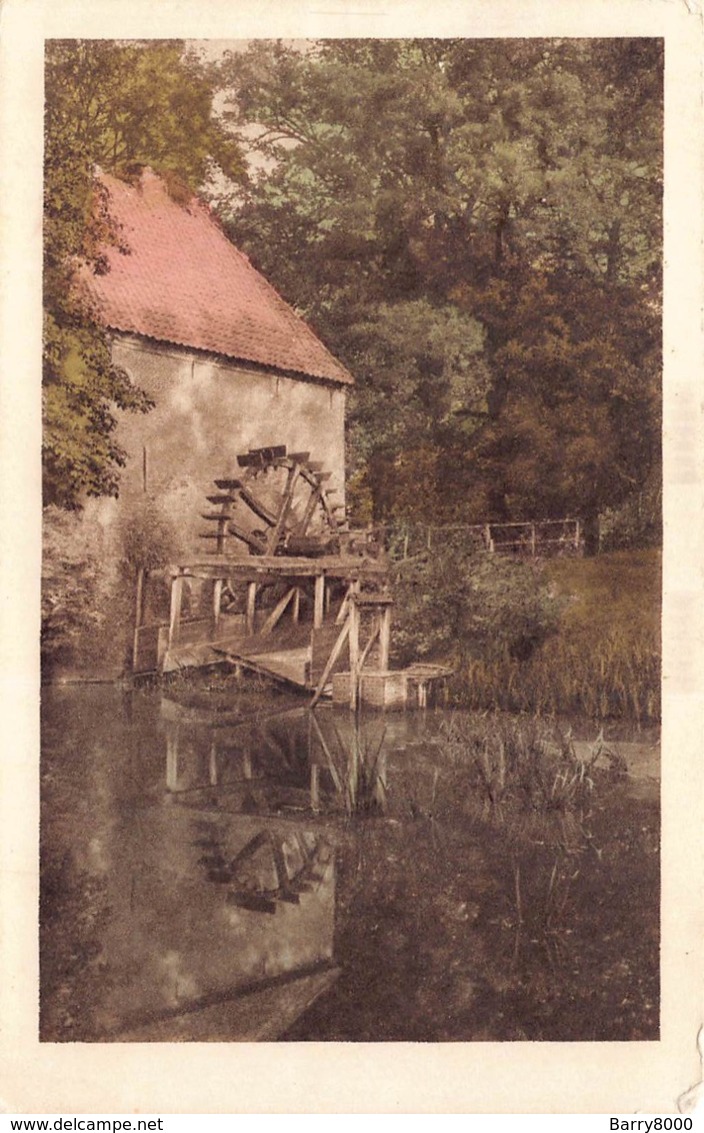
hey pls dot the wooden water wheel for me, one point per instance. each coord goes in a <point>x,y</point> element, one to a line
<point>280,505</point>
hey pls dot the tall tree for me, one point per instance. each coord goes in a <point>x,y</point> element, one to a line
<point>118,106</point>
<point>508,190</point>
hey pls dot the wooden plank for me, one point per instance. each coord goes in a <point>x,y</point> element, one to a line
<point>228,485</point>
<point>261,456</point>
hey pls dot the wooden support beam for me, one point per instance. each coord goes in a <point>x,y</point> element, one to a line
<point>328,754</point>
<point>172,757</point>
<point>138,615</point>
<point>217,600</point>
<point>315,788</point>
<point>319,603</point>
<point>368,647</point>
<point>384,637</point>
<point>353,620</point>
<point>251,607</point>
<point>336,651</point>
<point>296,609</point>
<point>277,612</point>
<point>342,612</point>
<point>175,611</point>
<point>277,529</point>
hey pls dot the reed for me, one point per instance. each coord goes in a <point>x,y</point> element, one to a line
<point>518,766</point>
<point>358,769</point>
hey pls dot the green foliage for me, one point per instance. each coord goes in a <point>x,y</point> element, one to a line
<point>474,227</point>
<point>147,536</point>
<point>75,589</point>
<point>119,106</point>
<point>604,661</point>
<point>637,523</point>
<point>454,601</point>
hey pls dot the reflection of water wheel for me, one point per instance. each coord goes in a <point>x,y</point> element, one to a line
<point>280,505</point>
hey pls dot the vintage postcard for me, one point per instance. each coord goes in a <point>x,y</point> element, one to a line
<point>352,498</point>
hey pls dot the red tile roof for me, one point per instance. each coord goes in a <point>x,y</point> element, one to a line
<point>183,282</point>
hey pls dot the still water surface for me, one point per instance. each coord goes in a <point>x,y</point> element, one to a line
<point>202,879</point>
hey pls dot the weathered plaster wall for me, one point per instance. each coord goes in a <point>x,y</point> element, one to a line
<point>206,412</point>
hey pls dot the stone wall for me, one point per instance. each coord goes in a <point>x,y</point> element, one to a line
<point>206,412</point>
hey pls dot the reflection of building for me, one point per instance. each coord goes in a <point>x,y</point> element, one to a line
<point>228,934</point>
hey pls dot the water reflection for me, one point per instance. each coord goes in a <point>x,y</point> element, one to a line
<point>325,876</point>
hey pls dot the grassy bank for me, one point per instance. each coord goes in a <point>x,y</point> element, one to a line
<point>604,659</point>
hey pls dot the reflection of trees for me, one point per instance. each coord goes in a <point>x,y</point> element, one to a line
<point>73,919</point>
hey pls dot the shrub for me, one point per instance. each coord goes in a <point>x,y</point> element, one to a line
<point>458,601</point>
<point>147,537</point>
<point>75,588</point>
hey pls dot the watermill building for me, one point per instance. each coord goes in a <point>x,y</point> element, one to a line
<point>229,365</point>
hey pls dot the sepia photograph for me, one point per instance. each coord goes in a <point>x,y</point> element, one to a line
<point>354,521</point>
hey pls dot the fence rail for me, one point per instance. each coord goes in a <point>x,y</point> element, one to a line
<point>528,538</point>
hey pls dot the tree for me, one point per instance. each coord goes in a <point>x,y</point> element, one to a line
<point>117,106</point>
<point>507,193</point>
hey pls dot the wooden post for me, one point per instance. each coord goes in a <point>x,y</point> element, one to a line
<point>213,764</point>
<point>172,758</point>
<point>319,605</point>
<point>385,638</point>
<point>175,613</point>
<point>354,654</point>
<point>251,605</point>
<point>217,599</point>
<point>315,788</point>
<point>532,539</point>
<point>296,605</point>
<point>138,616</point>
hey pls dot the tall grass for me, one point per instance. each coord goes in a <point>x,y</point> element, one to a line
<point>525,764</point>
<point>604,660</point>
<point>616,676</point>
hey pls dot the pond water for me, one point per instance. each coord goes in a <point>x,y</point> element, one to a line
<point>219,869</point>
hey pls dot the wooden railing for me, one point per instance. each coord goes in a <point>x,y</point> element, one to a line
<point>527,538</point>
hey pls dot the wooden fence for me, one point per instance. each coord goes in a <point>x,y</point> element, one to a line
<point>547,537</point>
